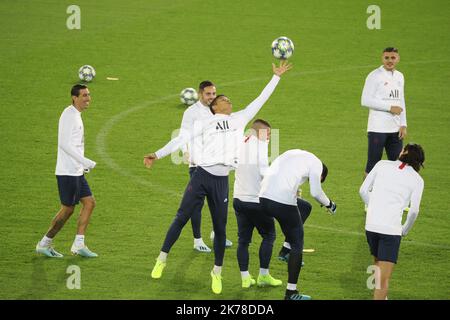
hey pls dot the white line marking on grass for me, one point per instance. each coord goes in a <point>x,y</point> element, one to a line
<point>101,146</point>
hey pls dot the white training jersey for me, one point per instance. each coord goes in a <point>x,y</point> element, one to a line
<point>388,189</point>
<point>288,172</point>
<point>382,90</point>
<point>194,113</point>
<point>71,160</point>
<point>253,163</point>
<point>221,135</point>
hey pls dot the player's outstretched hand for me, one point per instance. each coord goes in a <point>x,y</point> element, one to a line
<point>284,67</point>
<point>149,160</point>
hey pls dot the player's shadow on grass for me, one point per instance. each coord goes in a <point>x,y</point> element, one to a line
<point>192,260</point>
<point>192,274</point>
<point>41,284</point>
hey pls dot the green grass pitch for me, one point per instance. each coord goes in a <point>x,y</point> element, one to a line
<point>156,48</point>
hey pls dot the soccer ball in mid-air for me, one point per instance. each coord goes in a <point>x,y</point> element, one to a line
<point>86,73</point>
<point>188,96</point>
<point>282,48</point>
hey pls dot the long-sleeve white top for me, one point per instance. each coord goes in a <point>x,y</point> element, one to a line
<point>253,164</point>
<point>382,90</point>
<point>387,190</point>
<point>71,160</point>
<point>288,172</point>
<point>194,113</point>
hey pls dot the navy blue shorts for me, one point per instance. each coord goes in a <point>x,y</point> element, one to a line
<point>72,189</point>
<point>377,142</point>
<point>384,247</point>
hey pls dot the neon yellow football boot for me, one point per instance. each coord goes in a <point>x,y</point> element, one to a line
<point>158,269</point>
<point>216,284</point>
<point>268,281</point>
<point>248,281</point>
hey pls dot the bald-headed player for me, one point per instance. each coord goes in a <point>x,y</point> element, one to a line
<point>253,164</point>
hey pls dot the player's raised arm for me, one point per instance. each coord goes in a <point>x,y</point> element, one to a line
<point>252,109</point>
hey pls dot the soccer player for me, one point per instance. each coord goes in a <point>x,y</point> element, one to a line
<point>221,135</point>
<point>199,110</point>
<point>383,94</point>
<point>394,185</point>
<point>278,199</point>
<point>71,164</point>
<point>253,163</point>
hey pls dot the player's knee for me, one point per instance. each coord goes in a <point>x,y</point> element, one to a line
<point>90,203</point>
<point>219,232</point>
<point>181,219</point>
<point>384,279</point>
<point>68,210</point>
<point>295,251</point>
<point>244,242</point>
<point>296,245</point>
<point>182,216</point>
<point>269,237</point>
